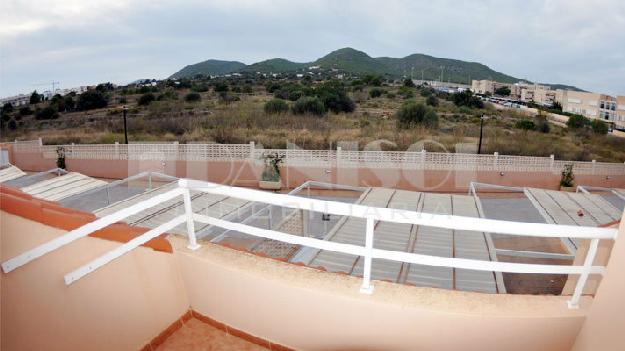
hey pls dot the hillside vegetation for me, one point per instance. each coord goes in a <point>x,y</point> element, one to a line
<point>368,113</point>
<point>353,62</point>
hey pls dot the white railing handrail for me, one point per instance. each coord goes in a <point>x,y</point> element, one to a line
<point>403,216</point>
<point>368,252</point>
<point>87,229</point>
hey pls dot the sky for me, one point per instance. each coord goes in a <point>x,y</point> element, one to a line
<point>78,42</point>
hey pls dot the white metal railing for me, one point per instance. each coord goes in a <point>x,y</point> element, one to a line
<point>368,252</point>
<point>321,158</point>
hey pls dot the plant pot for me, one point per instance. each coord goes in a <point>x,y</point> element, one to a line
<point>568,189</point>
<point>270,184</point>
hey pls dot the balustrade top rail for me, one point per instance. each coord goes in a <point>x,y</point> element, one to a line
<point>368,251</point>
<point>320,158</point>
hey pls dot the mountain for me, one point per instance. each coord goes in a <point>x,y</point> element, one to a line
<point>209,67</point>
<point>352,61</point>
<point>274,65</point>
<point>433,68</point>
<point>563,87</point>
<point>356,62</point>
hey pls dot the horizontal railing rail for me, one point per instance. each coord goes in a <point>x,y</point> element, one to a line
<point>368,252</point>
<point>321,158</point>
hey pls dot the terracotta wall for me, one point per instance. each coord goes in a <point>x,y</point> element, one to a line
<point>120,307</point>
<point>307,309</point>
<point>605,324</point>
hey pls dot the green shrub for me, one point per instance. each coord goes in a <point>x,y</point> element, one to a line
<point>409,83</point>
<point>46,113</point>
<point>146,99</point>
<point>577,122</point>
<point>200,88</point>
<point>466,98</point>
<point>430,120</point>
<point>310,105</point>
<point>374,93</point>
<point>411,114</point>
<point>25,111</point>
<point>334,97</point>
<point>221,87</point>
<point>598,127</point>
<point>432,101</point>
<point>568,178</point>
<point>90,100</point>
<point>12,125</point>
<point>192,97</point>
<point>525,124</point>
<point>542,125</point>
<point>275,106</point>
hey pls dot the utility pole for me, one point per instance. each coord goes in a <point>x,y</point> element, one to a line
<point>479,147</point>
<point>125,109</point>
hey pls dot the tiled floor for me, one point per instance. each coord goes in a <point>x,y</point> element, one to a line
<point>196,335</point>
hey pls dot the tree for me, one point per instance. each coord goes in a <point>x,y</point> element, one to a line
<point>334,97</point>
<point>466,98</point>
<point>7,108</point>
<point>542,125</point>
<point>12,125</point>
<point>503,91</point>
<point>90,100</point>
<point>146,99</point>
<point>598,127</point>
<point>411,114</point>
<point>192,97</point>
<point>409,83</point>
<point>25,111</point>
<point>104,87</point>
<point>46,113</point>
<point>556,106</point>
<point>432,101</point>
<point>312,105</point>
<point>375,81</point>
<point>276,106</point>
<point>70,104</point>
<point>35,98</point>
<point>577,122</point>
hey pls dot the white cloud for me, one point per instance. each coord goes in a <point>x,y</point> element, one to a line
<point>78,42</point>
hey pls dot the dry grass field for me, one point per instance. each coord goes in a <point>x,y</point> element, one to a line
<point>243,120</point>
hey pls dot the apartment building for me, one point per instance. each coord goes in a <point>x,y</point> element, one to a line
<point>591,105</point>
<point>620,111</point>
<point>17,100</point>
<point>521,91</point>
<point>486,86</point>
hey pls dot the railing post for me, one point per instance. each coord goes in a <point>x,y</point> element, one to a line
<point>366,287</point>
<point>116,151</point>
<point>252,148</point>
<point>551,162</point>
<point>193,245</point>
<point>305,222</point>
<point>495,160</point>
<point>581,282</point>
<point>423,159</point>
<point>594,164</point>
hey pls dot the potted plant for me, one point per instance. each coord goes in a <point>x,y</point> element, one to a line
<point>270,179</point>
<point>567,181</point>
<point>60,157</point>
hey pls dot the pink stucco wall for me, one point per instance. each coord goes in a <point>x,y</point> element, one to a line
<point>245,173</point>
